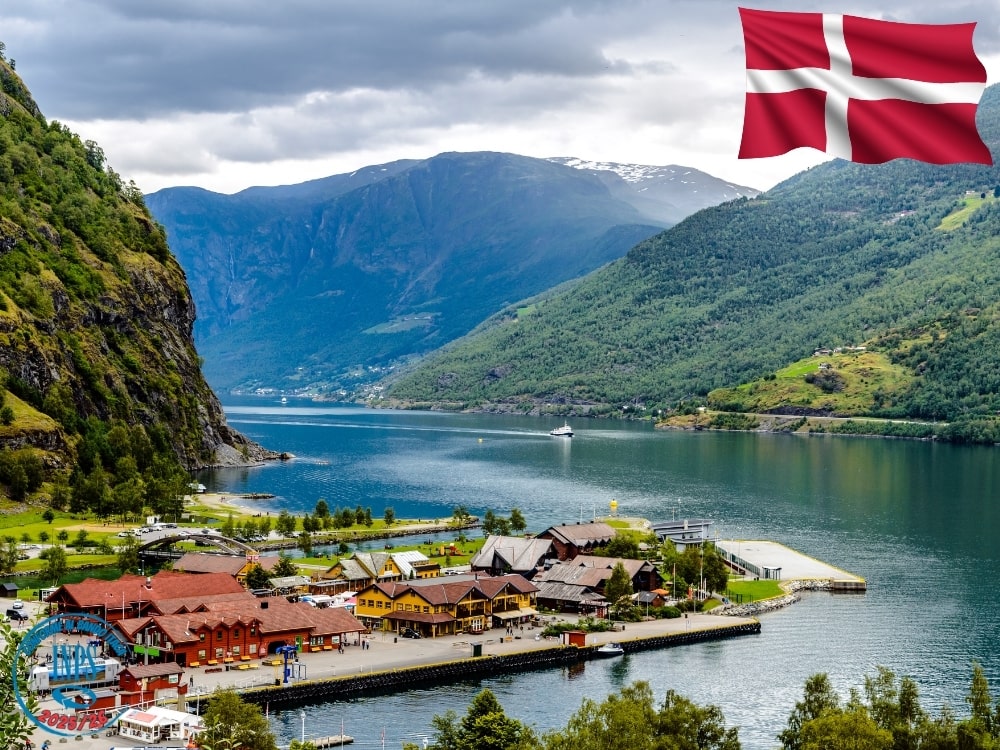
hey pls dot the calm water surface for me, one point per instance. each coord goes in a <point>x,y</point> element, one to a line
<point>917,520</point>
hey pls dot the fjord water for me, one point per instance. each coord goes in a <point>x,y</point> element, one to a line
<point>918,520</point>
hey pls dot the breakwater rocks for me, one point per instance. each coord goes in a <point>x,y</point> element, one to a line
<point>404,678</point>
<point>753,609</point>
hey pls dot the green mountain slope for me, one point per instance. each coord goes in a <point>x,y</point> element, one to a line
<point>95,315</point>
<point>834,256</point>
<point>326,285</point>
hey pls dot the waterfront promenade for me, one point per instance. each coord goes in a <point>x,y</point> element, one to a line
<point>387,653</point>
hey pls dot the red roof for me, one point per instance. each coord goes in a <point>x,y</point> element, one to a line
<point>167,584</point>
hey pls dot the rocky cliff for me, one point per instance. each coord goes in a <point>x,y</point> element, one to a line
<point>95,314</point>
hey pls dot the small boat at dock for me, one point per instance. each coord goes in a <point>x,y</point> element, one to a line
<point>610,649</point>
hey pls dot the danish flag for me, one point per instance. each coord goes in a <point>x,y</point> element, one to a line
<point>861,89</point>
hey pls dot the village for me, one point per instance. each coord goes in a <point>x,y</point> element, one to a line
<point>199,624</point>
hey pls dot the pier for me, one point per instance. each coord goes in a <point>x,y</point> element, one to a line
<point>774,561</point>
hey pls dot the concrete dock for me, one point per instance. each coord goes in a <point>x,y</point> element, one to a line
<point>774,561</point>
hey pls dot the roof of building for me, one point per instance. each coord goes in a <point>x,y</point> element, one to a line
<point>408,561</point>
<point>166,584</point>
<point>566,592</point>
<point>140,671</point>
<point>369,565</point>
<point>445,590</point>
<point>518,554</point>
<point>585,570</point>
<point>581,534</point>
<point>279,616</point>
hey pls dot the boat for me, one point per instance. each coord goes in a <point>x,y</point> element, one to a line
<point>564,431</point>
<point>610,649</point>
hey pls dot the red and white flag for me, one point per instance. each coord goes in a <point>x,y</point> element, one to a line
<point>861,89</point>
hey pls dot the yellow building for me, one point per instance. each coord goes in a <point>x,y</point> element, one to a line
<point>446,605</point>
<point>365,568</point>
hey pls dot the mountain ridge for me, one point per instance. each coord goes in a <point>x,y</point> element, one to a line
<point>400,258</point>
<point>831,256</point>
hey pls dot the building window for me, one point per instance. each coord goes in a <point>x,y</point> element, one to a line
<point>201,637</point>
<point>218,635</point>
<point>253,649</point>
<point>236,651</point>
<point>315,640</point>
<point>236,633</point>
<point>253,630</point>
<point>219,653</point>
<point>201,654</point>
<point>426,610</point>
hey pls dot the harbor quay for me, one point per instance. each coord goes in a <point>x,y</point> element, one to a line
<point>390,663</point>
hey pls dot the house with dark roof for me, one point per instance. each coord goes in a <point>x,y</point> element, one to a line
<point>235,565</point>
<point>446,605</point>
<point>513,554</point>
<point>578,585</point>
<point>577,539</point>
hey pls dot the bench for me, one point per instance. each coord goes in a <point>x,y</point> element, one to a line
<point>212,663</point>
<point>328,648</point>
<point>245,657</point>
<point>228,660</point>
<point>195,664</point>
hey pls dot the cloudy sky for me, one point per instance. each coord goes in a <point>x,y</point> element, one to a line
<point>226,94</point>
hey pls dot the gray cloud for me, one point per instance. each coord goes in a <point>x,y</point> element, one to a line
<point>186,91</point>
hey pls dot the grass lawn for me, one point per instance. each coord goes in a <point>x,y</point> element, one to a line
<point>752,591</point>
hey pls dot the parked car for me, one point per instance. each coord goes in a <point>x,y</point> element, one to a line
<point>18,604</point>
<point>17,615</point>
<point>409,633</point>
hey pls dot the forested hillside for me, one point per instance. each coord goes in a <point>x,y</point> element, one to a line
<point>837,255</point>
<point>326,285</point>
<point>95,321</point>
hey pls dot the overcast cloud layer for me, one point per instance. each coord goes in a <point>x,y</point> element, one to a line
<point>226,94</point>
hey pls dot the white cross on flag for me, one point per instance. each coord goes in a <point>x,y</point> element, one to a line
<point>861,89</point>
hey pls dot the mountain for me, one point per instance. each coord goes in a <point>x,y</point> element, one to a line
<point>329,284</point>
<point>838,255</point>
<point>668,193</point>
<point>95,316</point>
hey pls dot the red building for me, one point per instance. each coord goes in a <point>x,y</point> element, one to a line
<point>134,596</point>
<point>141,683</point>
<point>233,631</point>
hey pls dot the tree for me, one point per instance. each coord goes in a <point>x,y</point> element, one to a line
<point>390,517</point>
<point>8,556</point>
<point>128,555</point>
<point>284,567</point>
<point>285,525</point>
<point>257,578</point>
<point>305,543</point>
<point>618,589</point>
<point>48,516</point>
<point>818,698</point>
<point>688,725</point>
<point>485,726</point>
<point>228,528</point>
<point>55,564</point>
<point>230,722</point>
<point>853,729</point>
<point>490,523</point>
<point>62,535</point>
<point>517,522</point>
<point>15,727</point>
<point>630,719</point>
<point>322,510</point>
<point>622,545</point>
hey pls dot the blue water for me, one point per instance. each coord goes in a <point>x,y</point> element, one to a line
<point>918,520</point>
